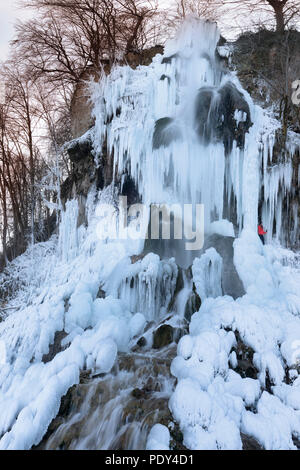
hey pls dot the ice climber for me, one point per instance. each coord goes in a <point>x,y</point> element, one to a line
<point>261,233</point>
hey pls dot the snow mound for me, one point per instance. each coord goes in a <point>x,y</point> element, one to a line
<point>222,227</point>
<point>159,438</point>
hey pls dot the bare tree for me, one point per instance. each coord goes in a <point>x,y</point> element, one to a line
<point>206,9</point>
<point>284,13</point>
<point>23,159</point>
<point>69,36</point>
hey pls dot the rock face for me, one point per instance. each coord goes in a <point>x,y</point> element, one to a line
<point>84,171</point>
<point>134,58</point>
<point>260,60</point>
<point>264,61</point>
<point>222,115</point>
<point>80,149</point>
<point>56,347</point>
<point>193,304</point>
<point>244,359</point>
<point>81,107</point>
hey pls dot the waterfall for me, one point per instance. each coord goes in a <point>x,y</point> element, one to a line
<point>186,131</point>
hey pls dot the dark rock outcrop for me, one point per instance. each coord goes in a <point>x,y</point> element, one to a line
<point>101,293</point>
<point>244,354</point>
<point>193,304</point>
<point>166,131</point>
<point>80,149</point>
<point>216,116</point>
<point>141,342</point>
<point>129,189</point>
<point>162,336</point>
<point>249,443</point>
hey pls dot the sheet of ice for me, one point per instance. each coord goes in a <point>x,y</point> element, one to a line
<point>146,286</point>
<point>160,99</point>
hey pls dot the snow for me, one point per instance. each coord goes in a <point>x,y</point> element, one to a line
<point>106,356</point>
<point>222,227</point>
<point>137,324</point>
<point>225,51</point>
<point>62,297</point>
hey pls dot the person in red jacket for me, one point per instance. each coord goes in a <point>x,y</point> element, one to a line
<point>261,233</point>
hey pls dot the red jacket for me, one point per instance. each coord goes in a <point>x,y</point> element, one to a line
<point>261,230</point>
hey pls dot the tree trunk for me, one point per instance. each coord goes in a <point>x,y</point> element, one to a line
<point>135,32</point>
<point>278,7</point>
<point>279,20</point>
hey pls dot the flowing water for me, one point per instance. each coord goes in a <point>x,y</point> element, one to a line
<point>116,411</point>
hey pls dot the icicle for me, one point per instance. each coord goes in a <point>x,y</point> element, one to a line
<point>68,234</point>
<point>207,274</point>
<point>146,286</point>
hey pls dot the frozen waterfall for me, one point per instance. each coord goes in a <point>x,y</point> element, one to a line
<point>187,132</point>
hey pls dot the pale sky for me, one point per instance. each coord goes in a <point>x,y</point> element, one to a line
<point>9,13</point>
<point>6,29</point>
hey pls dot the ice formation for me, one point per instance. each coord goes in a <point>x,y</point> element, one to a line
<point>147,117</point>
<point>147,286</point>
<point>207,274</point>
